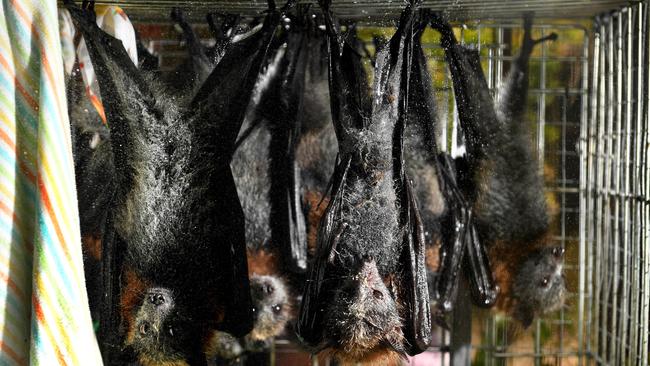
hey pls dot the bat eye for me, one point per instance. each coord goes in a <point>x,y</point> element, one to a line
<point>277,308</point>
<point>254,309</point>
<point>545,281</point>
<point>377,294</point>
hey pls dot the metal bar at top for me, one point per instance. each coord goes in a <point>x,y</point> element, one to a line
<point>372,10</point>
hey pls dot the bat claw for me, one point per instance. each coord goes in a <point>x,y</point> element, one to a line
<point>325,4</point>
<point>88,5</point>
<point>551,37</point>
<point>440,320</point>
<point>177,14</point>
<point>288,5</point>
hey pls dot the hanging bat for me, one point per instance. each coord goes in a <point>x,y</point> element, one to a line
<point>268,183</point>
<point>366,299</point>
<point>449,230</point>
<point>175,213</point>
<point>317,149</point>
<point>500,177</point>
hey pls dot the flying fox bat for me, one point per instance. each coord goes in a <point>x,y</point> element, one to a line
<point>268,183</point>
<point>450,232</point>
<point>366,299</point>
<point>501,179</point>
<point>175,213</point>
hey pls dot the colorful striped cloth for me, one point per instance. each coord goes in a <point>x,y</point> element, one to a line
<point>44,316</point>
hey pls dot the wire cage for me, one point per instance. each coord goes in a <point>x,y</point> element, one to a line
<point>589,110</point>
<point>614,192</point>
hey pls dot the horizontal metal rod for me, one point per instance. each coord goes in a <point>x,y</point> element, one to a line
<point>377,11</point>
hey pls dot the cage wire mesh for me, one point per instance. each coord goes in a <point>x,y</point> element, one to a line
<point>614,191</point>
<point>588,110</point>
<point>557,107</point>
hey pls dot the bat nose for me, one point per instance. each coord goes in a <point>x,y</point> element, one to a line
<point>157,299</point>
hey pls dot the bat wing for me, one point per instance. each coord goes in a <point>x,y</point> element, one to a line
<point>474,102</point>
<point>309,327</point>
<point>460,245</point>
<point>218,110</point>
<point>123,89</point>
<point>414,288</point>
<point>283,109</point>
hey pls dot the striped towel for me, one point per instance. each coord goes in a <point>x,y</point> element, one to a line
<point>44,316</point>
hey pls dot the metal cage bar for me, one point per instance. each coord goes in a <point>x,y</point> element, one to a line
<point>614,191</point>
<point>594,134</point>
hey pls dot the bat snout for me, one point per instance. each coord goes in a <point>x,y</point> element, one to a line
<point>369,274</point>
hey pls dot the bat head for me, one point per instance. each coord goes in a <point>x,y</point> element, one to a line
<point>271,307</point>
<point>362,321</point>
<point>539,285</point>
<point>162,332</point>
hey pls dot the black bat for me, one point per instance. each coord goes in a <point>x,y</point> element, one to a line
<point>268,183</point>
<point>446,214</point>
<point>175,214</point>
<point>500,177</point>
<point>366,297</point>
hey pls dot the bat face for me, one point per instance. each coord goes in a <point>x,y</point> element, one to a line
<point>362,319</point>
<point>539,285</point>
<point>162,331</point>
<point>271,307</point>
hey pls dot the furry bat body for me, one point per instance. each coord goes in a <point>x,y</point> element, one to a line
<point>450,233</point>
<point>175,209</point>
<point>366,298</point>
<point>500,176</point>
<point>268,182</point>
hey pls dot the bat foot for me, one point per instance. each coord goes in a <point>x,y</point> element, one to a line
<point>271,6</point>
<point>85,13</point>
<point>288,5</point>
<point>177,15</point>
<point>440,22</point>
<point>325,4</point>
<point>440,319</point>
<point>551,37</point>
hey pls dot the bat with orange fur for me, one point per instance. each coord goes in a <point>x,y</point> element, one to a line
<point>174,259</point>
<point>500,178</point>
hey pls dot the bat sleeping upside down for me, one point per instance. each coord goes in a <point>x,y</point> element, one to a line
<point>366,299</point>
<point>500,178</point>
<point>268,182</point>
<point>175,214</point>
